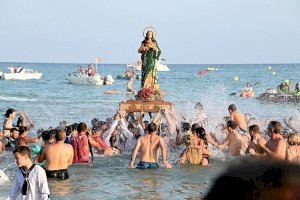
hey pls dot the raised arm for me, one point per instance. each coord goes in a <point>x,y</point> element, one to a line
<point>134,153</point>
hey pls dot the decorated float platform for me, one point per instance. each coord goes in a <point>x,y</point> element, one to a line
<point>144,105</point>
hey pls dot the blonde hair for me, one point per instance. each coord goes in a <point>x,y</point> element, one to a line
<point>294,139</point>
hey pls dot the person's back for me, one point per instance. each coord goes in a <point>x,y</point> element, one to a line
<point>81,148</point>
<point>235,144</point>
<point>238,118</point>
<point>58,155</point>
<point>149,147</point>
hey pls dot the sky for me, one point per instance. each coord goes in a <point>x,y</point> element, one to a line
<point>188,31</point>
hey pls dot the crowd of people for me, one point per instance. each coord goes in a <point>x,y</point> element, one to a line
<point>70,144</point>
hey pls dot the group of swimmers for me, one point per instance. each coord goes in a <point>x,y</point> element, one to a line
<point>75,143</point>
<point>284,88</point>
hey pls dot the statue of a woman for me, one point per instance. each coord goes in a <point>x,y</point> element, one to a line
<point>150,54</point>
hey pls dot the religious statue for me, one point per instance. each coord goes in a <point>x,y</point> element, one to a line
<point>150,54</point>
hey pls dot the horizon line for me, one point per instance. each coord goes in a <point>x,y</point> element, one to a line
<point>26,62</point>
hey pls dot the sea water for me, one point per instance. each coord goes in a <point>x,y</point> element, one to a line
<point>52,99</point>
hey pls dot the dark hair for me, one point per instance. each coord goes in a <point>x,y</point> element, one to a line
<point>60,135</point>
<point>112,140</point>
<point>195,126</point>
<point>46,135</point>
<point>69,130</point>
<point>75,125</point>
<point>232,107</point>
<point>23,150</point>
<point>274,126</point>
<point>199,105</point>
<point>130,126</point>
<point>9,112</point>
<point>254,128</point>
<point>13,129</point>
<point>185,126</point>
<point>201,133</point>
<point>22,130</point>
<point>231,124</point>
<point>152,127</point>
<point>81,127</point>
<point>19,122</point>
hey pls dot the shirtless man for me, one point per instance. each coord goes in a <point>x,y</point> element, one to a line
<point>149,145</point>
<point>58,156</point>
<point>234,140</point>
<point>276,145</point>
<point>238,118</point>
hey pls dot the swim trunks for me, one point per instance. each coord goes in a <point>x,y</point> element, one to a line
<point>147,165</point>
<point>59,174</point>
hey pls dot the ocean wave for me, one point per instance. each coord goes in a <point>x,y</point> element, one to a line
<point>16,99</point>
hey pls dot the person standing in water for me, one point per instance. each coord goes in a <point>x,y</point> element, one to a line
<point>149,145</point>
<point>7,124</point>
<point>31,180</point>
<point>150,54</point>
<point>276,145</point>
<point>238,118</point>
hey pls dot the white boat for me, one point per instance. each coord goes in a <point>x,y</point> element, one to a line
<point>160,67</point>
<point>25,74</point>
<point>83,79</point>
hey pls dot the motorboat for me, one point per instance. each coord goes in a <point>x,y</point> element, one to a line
<point>24,74</point>
<point>160,66</point>
<point>84,79</point>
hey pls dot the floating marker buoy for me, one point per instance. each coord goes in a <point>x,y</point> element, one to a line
<point>273,73</point>
<point>269,67</point>
<point>235,78</point>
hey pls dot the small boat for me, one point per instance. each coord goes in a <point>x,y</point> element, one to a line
<point>246,94</point>
<point>24,74</point>
<point>273,96</point>
<point>160,67</point>
<point>83,79</point>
